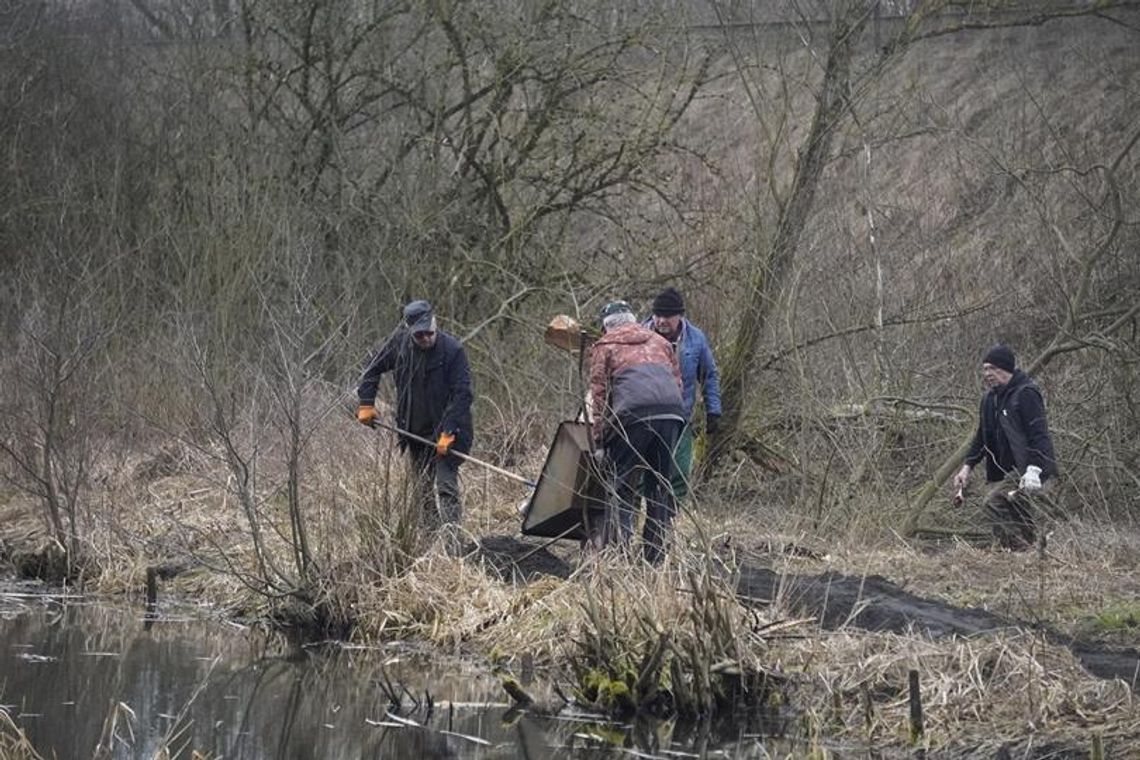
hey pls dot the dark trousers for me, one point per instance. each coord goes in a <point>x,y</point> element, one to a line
<point>682,464</point>
<point>1013,514</point>
<point>436,485</point>
<point>642,454</point>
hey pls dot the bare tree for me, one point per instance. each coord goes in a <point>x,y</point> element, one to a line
<point>1088,315</point>
<point>841,90</point>
<point>54,394</point>
<point>773,263</point>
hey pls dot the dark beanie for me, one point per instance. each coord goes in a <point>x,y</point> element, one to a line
<point>1001,357</point>
<point>668,302</point>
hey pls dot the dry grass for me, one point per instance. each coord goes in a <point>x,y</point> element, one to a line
<point>978,693</point>
<point>1087,567</point>
<point>939,195</point>
<point>118,731</point>
<point>440,599</point>
<point>14,745</point>
<point>1007,685</point>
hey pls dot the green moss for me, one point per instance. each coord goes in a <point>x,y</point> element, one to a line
<point>590,685</point>
<point>596,687</point>
<point>615,696</point>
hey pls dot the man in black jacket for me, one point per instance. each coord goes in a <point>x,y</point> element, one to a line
<point>433,401</point>
<point>1013,439</point>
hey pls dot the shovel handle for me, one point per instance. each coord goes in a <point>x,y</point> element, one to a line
<point>458,454</point>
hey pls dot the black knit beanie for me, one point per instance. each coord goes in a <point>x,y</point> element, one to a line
<point>668,303</point>
<point>1001,357</point>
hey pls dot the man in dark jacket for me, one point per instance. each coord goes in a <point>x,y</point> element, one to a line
<point>1013,440</point>
<point>433,401</point>
<point>638,411</point>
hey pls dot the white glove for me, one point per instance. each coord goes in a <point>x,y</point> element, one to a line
<point>962,477</point>
<point>1031,480</point>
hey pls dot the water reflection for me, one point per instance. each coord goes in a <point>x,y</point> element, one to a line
<point>70,671</point>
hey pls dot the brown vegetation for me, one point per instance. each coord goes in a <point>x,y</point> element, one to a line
<point>206,222</point>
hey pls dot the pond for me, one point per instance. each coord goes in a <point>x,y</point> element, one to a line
<point>86,679</point>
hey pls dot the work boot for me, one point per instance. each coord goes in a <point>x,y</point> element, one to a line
<point>1013,539</point>
<point>1008,536</point>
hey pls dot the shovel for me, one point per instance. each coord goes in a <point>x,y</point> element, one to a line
<point>566,333</point>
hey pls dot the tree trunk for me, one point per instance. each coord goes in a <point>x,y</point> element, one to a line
<point>774,264</point>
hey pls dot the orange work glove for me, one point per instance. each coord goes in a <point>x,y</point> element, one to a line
<point>444,443</point>
<point>366,414</point>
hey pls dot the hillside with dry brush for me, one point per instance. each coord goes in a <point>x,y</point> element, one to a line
<point>207,222</point>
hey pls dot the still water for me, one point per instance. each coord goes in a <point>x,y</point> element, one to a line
<point>84,679</point>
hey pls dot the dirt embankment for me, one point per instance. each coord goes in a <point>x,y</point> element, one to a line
<point>874,603</point>
<point>871,603</point>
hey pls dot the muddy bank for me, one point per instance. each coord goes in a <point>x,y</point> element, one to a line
<point>870,603</point>
<point>873,603</point>
<point>513,559</point>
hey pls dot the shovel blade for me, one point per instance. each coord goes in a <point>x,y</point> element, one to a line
<point>564,332</point>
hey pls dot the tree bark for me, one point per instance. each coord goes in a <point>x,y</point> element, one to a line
<point>774,262</point>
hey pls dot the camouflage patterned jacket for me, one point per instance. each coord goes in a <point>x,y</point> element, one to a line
<point>633,375</point>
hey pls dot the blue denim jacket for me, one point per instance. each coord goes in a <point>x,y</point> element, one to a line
<point>697,366</point>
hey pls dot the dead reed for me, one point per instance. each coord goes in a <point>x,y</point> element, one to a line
<point>14,744</point>
<point>1005,687</point>
<point>622,638</point>
<point>667,643</point>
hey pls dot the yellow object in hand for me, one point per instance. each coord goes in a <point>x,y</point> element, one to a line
<point>366,414</point>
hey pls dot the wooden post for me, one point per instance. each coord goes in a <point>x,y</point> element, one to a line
<point>1097,747</point>
<point>916,727</point>
<point>868,708</point>
<point>151,597</point>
